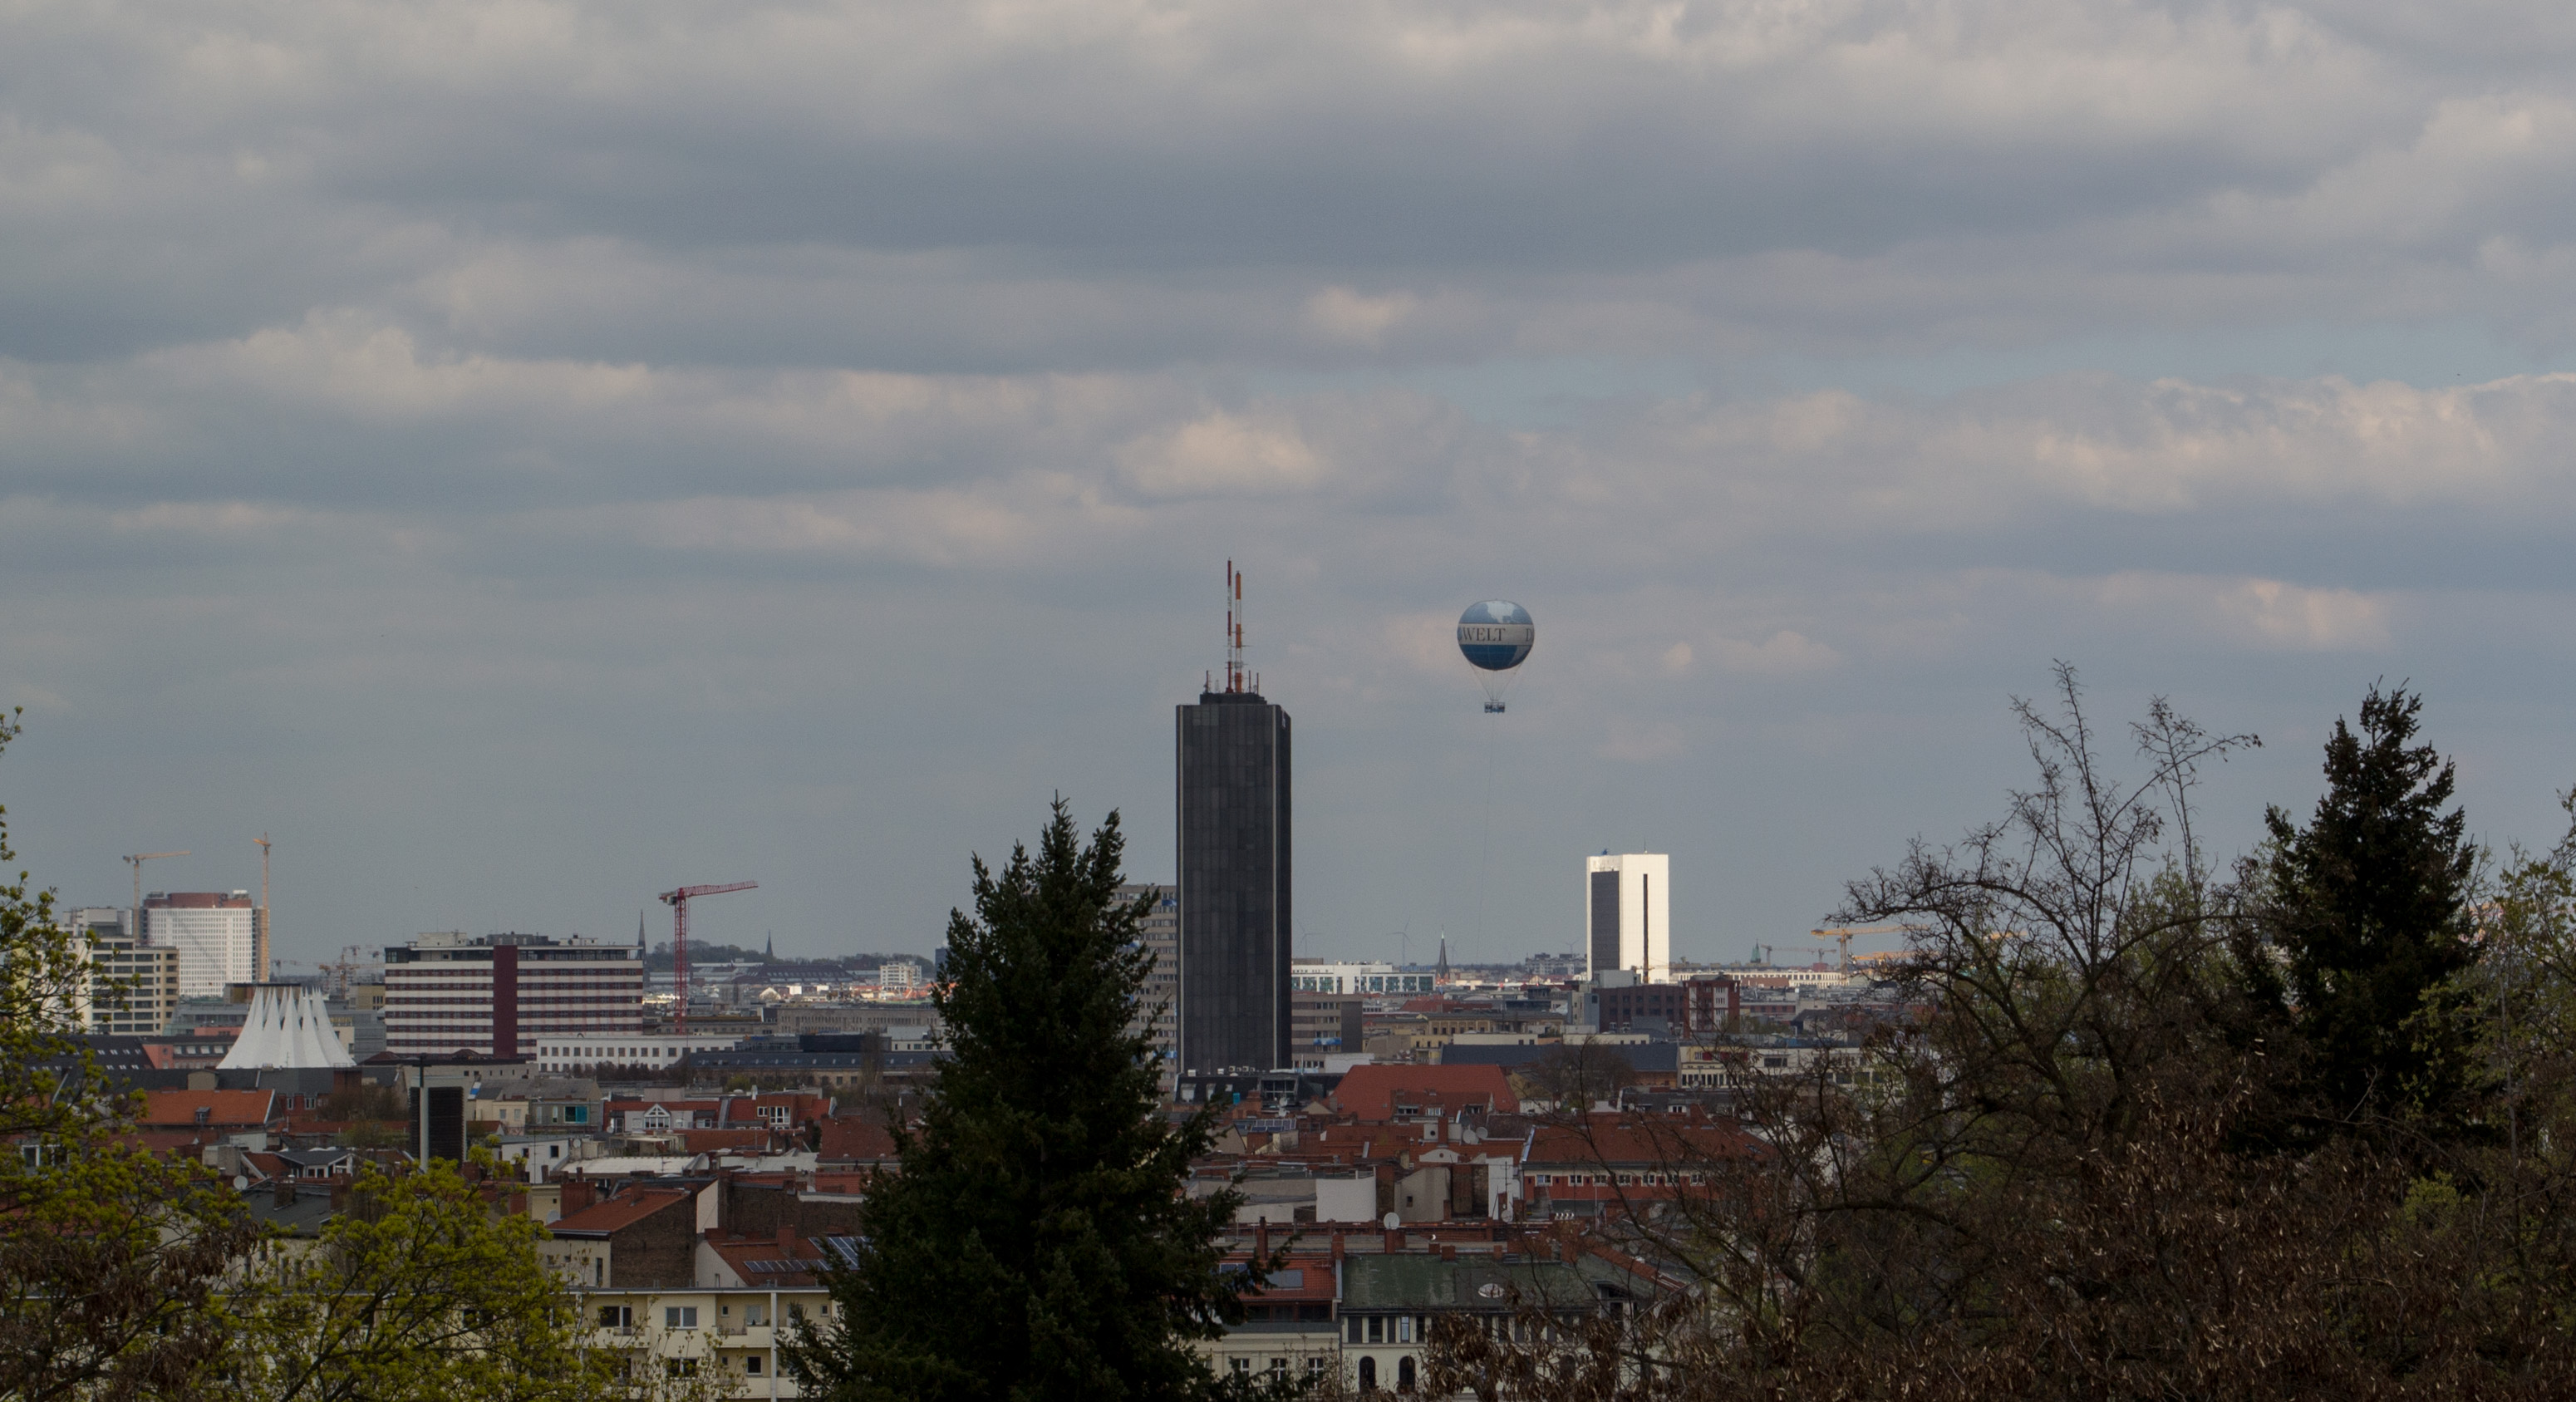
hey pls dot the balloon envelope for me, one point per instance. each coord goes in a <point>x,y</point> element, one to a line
<point>1496,636</point>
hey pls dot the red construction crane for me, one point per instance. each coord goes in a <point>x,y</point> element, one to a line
<point>678,901</point>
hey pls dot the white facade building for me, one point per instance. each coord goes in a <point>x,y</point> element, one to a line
<point>585,1051</point>
<point>896,976</point>
<point>1361,977</point>
<point>133,988</point>
<point>217,934</point>
<point>1628,914</point>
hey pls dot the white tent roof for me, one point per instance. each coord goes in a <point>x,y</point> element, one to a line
<point>288,1027</point>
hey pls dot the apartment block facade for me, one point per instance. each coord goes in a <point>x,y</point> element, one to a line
<point>133,987</point>
<point>503,995</point>
<point>220,936</point>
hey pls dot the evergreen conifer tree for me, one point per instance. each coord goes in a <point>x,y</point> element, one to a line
<point>1036,1241</point>
<point>2365,905</point>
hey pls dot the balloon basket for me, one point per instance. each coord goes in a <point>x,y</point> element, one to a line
<point>1493,708</point>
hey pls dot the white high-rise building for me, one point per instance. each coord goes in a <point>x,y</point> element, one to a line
<point>217,934</point>
<point>1628,914</point>
<point>133,988</point>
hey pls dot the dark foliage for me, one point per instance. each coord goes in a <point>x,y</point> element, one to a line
<point>2057,1179</point>
<point>2363,909</point>
<point>1035,1242</point>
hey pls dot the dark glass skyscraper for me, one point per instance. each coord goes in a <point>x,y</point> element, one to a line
<point>1232,779</point>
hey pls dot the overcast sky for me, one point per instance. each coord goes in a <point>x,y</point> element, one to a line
<point>523,456</point>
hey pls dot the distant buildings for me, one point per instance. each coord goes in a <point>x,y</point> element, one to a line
<point>650,1051</point>
<point>133,987</point>
<point>1158,1003</point>
<point>220,936</point>
<point>1232,788</point>
<point>500,995</point>
<point>1357,977</point>
<point>1628,914</point>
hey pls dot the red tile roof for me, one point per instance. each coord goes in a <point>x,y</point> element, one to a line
<point>226,1109</point>
<point>857,1139</point>
<point>1373,1092</point>
<point>700,1141</point>
<point>613,1214</point>
<point>771,1261</point>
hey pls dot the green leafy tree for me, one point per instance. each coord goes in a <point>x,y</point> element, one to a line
<point>420,1290</point>
<point>110,1255</point>
<point>2364,908</point>
<point>1036,1242</point>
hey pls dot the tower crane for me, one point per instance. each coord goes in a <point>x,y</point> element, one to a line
<point>267,928</point>
<point>1842,934</point>
<point>343,971</point>
<point>678,901</point>
<point>136,861</point>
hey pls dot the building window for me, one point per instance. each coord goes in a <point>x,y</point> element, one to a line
<point>751,1365</point>
<point>1404,1373</point>
<point>616,1317</point>
<point>1368,1374</point>
<point>679,1316</point>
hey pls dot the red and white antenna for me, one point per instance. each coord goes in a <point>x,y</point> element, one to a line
<point>1233,629</point>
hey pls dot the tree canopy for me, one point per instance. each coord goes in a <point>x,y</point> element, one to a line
<point>1035,1241</point>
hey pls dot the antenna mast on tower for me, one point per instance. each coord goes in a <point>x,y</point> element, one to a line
<point>1233,629</point>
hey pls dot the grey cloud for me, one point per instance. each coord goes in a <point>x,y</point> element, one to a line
<point>522,453</point>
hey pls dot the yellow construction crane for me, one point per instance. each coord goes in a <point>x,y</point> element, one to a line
<point>136,861</point>
<point>340,973</point>
<point>267,927</point>
<point>1842,935</point>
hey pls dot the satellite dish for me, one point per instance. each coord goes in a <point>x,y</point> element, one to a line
<point>1393,1222</point>
<point>241,1182</point>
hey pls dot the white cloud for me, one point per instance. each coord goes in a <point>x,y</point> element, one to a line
<point>1223,454</point>
<point>2262,613</point>
<point>1344,315</point>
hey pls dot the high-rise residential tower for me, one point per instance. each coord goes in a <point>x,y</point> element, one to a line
<point>1160,999</point>
<point>1231,785</point>
<point>1628,914</point>
<point>217,934</point>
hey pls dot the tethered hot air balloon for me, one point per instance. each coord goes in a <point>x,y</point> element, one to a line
<point>1496,636</point>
